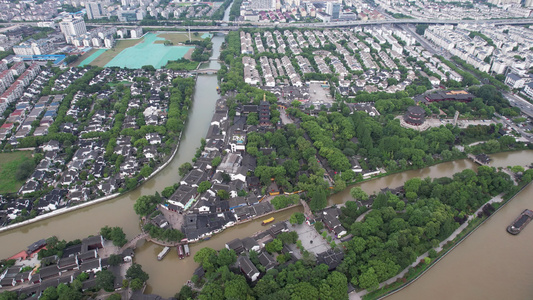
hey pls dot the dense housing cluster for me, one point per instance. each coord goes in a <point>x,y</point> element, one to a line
<point>311,65</point>
<point>501,50</point>
<point>73,268</point>
<point>428,10</point>
<point>99,131</point>
<point>219,190</point>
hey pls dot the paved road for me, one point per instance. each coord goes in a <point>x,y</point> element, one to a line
<point>284,118</point>
<point>425,43</point>
<point>517,101</point>
<point>511,124</point>
<point>249,24</point>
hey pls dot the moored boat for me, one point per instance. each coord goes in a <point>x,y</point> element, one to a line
<point>181,252</point>
<point>520,222</point>
<point>163,253</point>
<point>186,249</point>
<point>267,221</point>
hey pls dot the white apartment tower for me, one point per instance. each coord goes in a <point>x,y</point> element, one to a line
<point>72,27</point>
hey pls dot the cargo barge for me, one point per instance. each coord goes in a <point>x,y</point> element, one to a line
<point>163,253</point>
<point>181,252</point>
<point>267,221</point>
<point>520,222</point>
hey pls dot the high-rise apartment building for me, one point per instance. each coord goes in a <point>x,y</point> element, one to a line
<point>72,27</point>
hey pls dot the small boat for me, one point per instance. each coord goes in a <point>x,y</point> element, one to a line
<point>181,253</point>
<point>163,253</point>
<point>520,222</point>
<point>186,249</point>
<point>207,238</point>
<point>218,90</point>
<point>267,221</point>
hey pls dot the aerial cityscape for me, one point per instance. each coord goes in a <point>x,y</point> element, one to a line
<point>266,149</point>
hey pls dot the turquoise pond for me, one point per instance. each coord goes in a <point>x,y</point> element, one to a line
<point>92,57</point>
<point>148,53</point>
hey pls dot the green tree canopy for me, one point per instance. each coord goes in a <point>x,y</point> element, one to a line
<point>226,257</point>
<point>185,168</point>
<point>206,257</point>
<point>105,280</point>
<point>145,205</point>
<point>297,218</point>
<point>136,271</point>
<point>115,234</point>
<point>358,194</point>
<point>203,186</point>
<point>275,246</point>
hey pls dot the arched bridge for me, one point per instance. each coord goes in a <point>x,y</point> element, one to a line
<point>204,71</point>
<point>133,242</point>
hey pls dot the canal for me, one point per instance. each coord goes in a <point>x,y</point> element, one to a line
<point>488,244</point>
<point>167,276</point>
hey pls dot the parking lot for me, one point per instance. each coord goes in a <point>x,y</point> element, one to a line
<point>319,94</point>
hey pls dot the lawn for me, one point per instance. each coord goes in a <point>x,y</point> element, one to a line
<point>179,37</point>
<point>82,58</point>
<point>9,163</point>
<point>182,65</point>
<point>94,55</point>
<point>107,56</point>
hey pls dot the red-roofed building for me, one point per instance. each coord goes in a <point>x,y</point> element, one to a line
<point>8,126</point>
<point>18,112</point>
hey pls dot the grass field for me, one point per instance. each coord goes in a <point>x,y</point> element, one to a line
<point>186,65</point>
<point>92,57</point>
<point>9,163</point>
<point>82,58</point>
<point>107,56</point>
<point>179,37</point>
